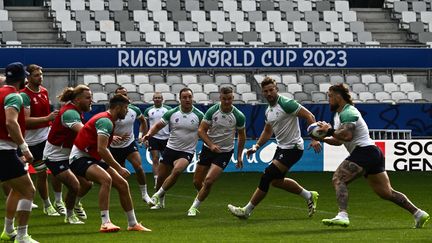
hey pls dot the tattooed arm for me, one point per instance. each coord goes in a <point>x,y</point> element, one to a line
<point>345,132</point>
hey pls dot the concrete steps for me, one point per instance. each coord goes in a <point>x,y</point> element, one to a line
<point>383,28</point>
<point>33,25</point>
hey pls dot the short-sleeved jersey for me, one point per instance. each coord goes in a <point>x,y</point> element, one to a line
<point>126,126</point>
<point>61,136</point>
<point>184,128</point>
<point>153,114</point>
<point>86,140</point>
<point>223,126</point>
<point>361,138</point>
<point>285,124</point>
<point>9,97</point>
<point>39,105</point>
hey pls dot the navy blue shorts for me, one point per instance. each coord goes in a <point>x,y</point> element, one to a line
<point>79,167</point>
<point>370,158</point>
<point>120,154</point>
<point>207,157</point>
<point>157,144</point>
<point>288,157</point>
<point>12,166</point>
<point>57,167</point>
<point>37,151</point>
<point>171,155</point>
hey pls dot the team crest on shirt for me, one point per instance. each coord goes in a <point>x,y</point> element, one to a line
<point>35,100</point>
<point>176,120</point>
<point>215,119</point>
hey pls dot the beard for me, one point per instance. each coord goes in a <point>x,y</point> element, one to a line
<point>334,107</point>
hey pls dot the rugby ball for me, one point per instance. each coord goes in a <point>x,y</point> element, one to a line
<point>312,130</point>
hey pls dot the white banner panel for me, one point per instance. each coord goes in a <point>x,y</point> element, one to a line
<point>401,155</point>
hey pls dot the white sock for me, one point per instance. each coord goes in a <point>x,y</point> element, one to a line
<point>418,213</point>
<point>305,194</point>
<point>160,192</point>
<point>9,225</point>
<point>343,215</point>
<point>196,203</point>
<point>69,213</point>
<point>58,196</point>
<point>22,231</point>
<point>47,203</point>
<point>143,189</point>
<point>249,207</point>
<point>105,216</point>
<point>131,218</point>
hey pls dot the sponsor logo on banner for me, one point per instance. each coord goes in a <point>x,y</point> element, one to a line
<point>400,155</point>
<point>409,155</point>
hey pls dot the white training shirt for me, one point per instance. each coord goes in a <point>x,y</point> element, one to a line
<point>361,138</point>
<point>154,114</point>
<point>184,129</point>
<point>223,126</point>
<point>285,124</point>
<point>125,127</point>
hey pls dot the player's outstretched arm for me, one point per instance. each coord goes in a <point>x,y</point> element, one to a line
<point>102,148</point>
<point>264,137</point>
<point>202,133</point>
<point>153,130</point>
<point>240,146</point>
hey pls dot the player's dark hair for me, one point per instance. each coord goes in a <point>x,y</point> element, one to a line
<point>33,67</point>
<point>118,99</point>
<point>226,90</point>
<point>118,89</point>
<point>343,90</point>
<point>71,93</point>
<point>184,90</point>
<point>267,81</point>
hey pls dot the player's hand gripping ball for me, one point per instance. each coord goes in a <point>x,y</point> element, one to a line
<point>313,131</point>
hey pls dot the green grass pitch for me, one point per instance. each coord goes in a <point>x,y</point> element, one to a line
<point>281,217</point>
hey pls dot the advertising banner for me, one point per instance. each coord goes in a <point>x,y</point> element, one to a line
<point>400,155</point>
<point>168,58</point>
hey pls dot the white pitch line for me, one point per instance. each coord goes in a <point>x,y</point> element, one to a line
<point>277,206</point>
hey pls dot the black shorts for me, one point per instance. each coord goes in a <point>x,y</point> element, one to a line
<point>11,165</point>
<point>157,144</point>
<point>57,167</point>
<point>370,158</point>
<point>37,151</point>
<point>120,154</point>
<point>207,157</point>
<point>288,157</point>
<point>171,155</point>
<point>79,167</point>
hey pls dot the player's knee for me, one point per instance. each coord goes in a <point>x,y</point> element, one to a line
<point>197,184</point>
<point>123,186</point>
<point>385,194</point>
<point>271,173</point>
<point>105,181</point>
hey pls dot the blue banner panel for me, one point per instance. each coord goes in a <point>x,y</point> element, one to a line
<point>415,117</point>
<point>257,163</point>
<point>166,58</point>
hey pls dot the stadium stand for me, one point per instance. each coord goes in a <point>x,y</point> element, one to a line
<point>239,23</point>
